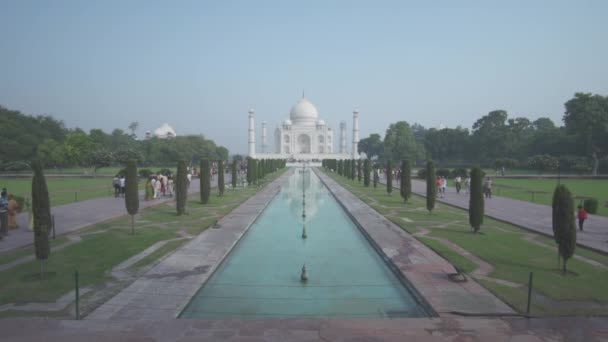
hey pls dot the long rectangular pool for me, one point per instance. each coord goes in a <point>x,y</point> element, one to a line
<point>261,275</point>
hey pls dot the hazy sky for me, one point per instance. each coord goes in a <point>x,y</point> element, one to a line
<point>199,65</point>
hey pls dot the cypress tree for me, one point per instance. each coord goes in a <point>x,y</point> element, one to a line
<point>376,178</point>
<point>346,168</point>
<point>132,192</point>
<point>205,185</point>
<point>249,171</point>
<point>234,174</point>
<point>476,201</point>
<point>359,171</point>
<point>406,180</point>
<point>41,208</point>
<point>340,167</point>
<point>564,227</point>
<point>254,171</point>
<point>220,177</point>
<point>366,170</point>
<point>389,176</point>
<point>431,190</point>
<point>353,171</point>
<point>181,187</point>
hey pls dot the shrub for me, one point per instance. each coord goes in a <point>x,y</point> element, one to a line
<point>181,187</point>
<point>406,180</point>
<point>508,163</point>
<point>205,184</point>
<point>476,202</point>
<point>576,164</point>
<point>543,162</point>
<point>431,189</point>
<point>590,205</point>
<point>145,173</point>
<point>564,228</point>
<point>164,172</point>
<point>421,173</point>
<point>443,173</point>
<point>41,209</point>
<point>132,192</point>
<point>389,177</point>
<point>462,172</point>
<point>366,171</point>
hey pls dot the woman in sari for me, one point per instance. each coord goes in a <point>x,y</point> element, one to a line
<point>149,190</point>
<point>13,210</point>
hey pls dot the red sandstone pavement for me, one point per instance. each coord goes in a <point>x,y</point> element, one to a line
<point>75,216</point>
<point>531,216</point>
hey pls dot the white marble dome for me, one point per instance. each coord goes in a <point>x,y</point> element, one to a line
<point>164,131</point>
<point>304,113</point>
<point>287,122</point>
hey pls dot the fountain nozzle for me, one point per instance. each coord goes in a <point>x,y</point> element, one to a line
<point>304,236</point>
<point>304,276</point>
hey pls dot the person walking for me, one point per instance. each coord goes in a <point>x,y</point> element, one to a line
<point>13,210</point>
<point>444,185</point>
<point>149,190</point>
<point>116,185</point>
<point>487,187</point>
<point>123,183</point>
<point>582,216</point>
<point>467,185</point>
<point>457,182</point>
<point>157,187</point>
<point>3,215</point>
<point>438,186</point>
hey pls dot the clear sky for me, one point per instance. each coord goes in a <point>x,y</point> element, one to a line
<point>199,65</point>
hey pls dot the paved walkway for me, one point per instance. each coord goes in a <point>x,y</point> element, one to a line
<point>531,216</point>
<point>75,216</point>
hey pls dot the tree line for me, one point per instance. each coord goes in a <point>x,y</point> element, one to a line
<point>496,140</point>
<point>25,137</point>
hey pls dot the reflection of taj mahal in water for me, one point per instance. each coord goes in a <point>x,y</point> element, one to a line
<point>304,136</point>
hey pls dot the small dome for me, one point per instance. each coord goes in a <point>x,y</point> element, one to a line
<point>287,122</point>
<point>321,122</point>
<point>164,131</point>
<point>304,112</point>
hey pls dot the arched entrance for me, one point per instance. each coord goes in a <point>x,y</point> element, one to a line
<point>304,143</point>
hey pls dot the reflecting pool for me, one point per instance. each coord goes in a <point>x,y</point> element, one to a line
<point>261,275</point>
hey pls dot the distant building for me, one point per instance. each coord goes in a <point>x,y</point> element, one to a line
<point>165,131</point>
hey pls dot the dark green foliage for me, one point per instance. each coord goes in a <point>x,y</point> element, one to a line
<point>376,180</point>
<point>205,185</point>
<point>590,205</point>
<point>476,201</point>
<point>234,174</point>
<point>389,176</point>
<point>249,170</point>
<point>564,227</point>
<point>443,173</point>
<point>359,171</point>
<point>366,170</point>
<point>181,187</point>
<point>254,171</point>
<point>41,208</point>
<point>353,169</point>
<point>462,172</point>
<point>132,192</point>
<point>220,177</point>
<point>144,173</point>
<point>421,173</point>
<point>431,189</point>
<point>406,180</point>
<point>340,167</point>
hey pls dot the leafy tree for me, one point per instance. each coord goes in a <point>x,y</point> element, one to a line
<point>406,180</point>
<point>42,215</point>
<point>238,157</point>
<point>234,174</point>
<point>431,189</point>
<point>376,178</point>
<point>389,176</point>
<point>133,127</point>
<point>371,146</point>
<point>132,192</point>
<point>490,135</point>
<point>476,202</point>
<point>587,116</point>
<point>399,143</point>
<point>447,144</point>
<point>564,227</point>
<point>181,187</point>
<point>359,171</point>
<point>249,170</point>
<point>366,171</point>
<point>220,177</point>
<point>205,184</point>
<point>543,162</point>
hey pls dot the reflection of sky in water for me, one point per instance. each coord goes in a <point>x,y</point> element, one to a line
<point>292,194</point>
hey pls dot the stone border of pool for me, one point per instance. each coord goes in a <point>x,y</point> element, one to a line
<point>425,270</point>
<point>167,288</point>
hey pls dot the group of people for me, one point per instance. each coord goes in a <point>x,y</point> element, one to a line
<point>118,182</point>
<point>159,186</point>
<point>9,208</point>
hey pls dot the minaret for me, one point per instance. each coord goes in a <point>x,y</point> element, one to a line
<point>263,136</point>
<point>251,134</point>
<point>343,137</point>
<point>355,134</point>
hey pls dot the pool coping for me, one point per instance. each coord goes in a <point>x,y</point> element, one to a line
<point>167,288</point>
<point>420,266</point>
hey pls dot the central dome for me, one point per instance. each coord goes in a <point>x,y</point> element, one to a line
<point>304,112</point>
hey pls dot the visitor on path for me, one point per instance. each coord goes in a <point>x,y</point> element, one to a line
<point>116,185</point>
<point>457,182</point>
<point>189,178</point>
<point>582,216</point>
<point>438,186</point>
<point>467,185</point>
<point>487,187</point>
<point>444,185</point>
<point>3,215</point>
<point>170,186</point>
<point>13,210</point>
<point>157,187</point>
<point>149,190</point>
<point>123,183</point>
<point>163,187</point>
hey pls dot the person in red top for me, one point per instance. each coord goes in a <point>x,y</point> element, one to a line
<point>582,216</point>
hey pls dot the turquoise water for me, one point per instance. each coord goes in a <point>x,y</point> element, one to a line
<point>261,275</point>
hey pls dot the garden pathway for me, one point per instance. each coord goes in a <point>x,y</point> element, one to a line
<point>75,216</point>
<point>531,216</point>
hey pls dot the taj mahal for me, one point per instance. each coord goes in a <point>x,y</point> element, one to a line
<point>304,136</point>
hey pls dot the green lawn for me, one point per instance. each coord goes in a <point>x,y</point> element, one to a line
<point>520,189</point>
<point>506,247</point>
<point>96,255</point>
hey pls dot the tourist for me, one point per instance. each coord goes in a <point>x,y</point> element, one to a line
<point>162,186</point>
<point>444,185</point>
<point>467,185</point>
<point>116,185</point>
<point>13,210</point>
<point>487,188</point>
<point>123,183</point>
<point>149,190</point>
<point>438,186</point>
<point>189,178</point>
<point>582,216</point>
<point>157,187</point>
<point>170,186</point>
<point>3,215</point>
<point>457,181</point>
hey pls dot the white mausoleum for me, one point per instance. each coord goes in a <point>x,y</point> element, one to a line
<point>304,136</point>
